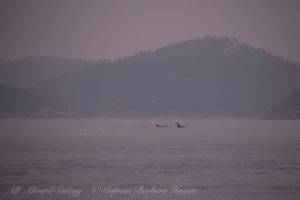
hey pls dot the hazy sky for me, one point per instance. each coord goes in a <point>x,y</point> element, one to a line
<point>99,29</point>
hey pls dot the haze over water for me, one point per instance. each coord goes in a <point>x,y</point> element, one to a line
<point>143,58</point>
<point>220,158</point>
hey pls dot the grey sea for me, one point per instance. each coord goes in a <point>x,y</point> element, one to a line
<point>209,159</point>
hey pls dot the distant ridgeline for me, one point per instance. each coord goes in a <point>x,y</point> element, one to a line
<point>20,103</point>
<point>29,71</point>
<point>210,77</point>
<point>288,109</point>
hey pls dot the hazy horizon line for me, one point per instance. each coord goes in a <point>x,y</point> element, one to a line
<point>144,50</point>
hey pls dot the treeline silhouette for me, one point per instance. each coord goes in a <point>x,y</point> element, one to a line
<point>209,77</point>
<point>288,109</point>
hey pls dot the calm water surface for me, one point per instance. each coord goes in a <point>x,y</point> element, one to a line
<point>222,159</point>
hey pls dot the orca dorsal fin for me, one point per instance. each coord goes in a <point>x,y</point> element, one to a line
<point>180,126</point>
